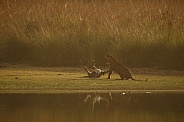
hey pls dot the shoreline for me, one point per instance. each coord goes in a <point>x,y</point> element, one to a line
<point>88,91</point>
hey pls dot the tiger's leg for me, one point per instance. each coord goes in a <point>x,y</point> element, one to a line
<point>109,76</point>
<point>88,72</point>
<point>122,75</point>
<point>94,67</point>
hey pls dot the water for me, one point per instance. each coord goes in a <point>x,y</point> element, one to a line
<point>92,107</point>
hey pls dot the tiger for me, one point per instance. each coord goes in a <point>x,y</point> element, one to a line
<point>122,70</point>
<point>96,73</point>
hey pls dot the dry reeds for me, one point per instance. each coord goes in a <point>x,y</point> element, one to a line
<point>140,33</point>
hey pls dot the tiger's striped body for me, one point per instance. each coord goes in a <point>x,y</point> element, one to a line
<point>123,71</point>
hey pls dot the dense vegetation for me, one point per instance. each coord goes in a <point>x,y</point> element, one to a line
<point>139,33</point>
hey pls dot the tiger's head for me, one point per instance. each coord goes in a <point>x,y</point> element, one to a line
<point>108,58</point>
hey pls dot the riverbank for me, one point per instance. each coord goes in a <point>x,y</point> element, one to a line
<point>73,80</point>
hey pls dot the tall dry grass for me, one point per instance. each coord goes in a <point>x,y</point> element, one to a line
<point>139,33</point>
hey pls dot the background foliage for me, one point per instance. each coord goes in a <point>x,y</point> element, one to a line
<point>139,33</point>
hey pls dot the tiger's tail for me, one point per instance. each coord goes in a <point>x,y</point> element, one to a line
<point>139,79</point>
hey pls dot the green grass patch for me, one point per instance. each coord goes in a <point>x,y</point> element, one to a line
<point>48,79</point>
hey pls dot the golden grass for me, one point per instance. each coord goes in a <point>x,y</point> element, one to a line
<point>56,33</point>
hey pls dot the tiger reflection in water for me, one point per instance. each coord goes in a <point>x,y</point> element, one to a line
<point>111,101</point>
<point>98,98</point>
<point>96,73</point>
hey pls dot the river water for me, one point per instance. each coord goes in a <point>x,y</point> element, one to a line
<point>92,107</point>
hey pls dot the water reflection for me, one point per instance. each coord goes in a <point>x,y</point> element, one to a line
<point>102,99</point>
<point>90,107</point>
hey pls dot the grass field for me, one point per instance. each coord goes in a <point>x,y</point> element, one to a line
<point>30,79</point>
